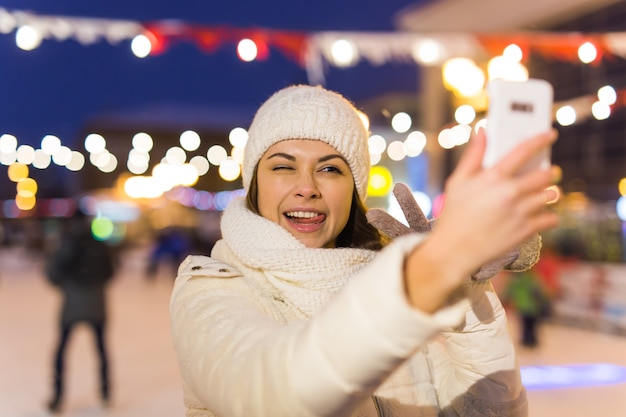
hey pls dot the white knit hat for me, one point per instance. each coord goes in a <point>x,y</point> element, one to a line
<point>306,112</point>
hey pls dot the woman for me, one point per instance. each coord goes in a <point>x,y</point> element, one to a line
<point>304,310</point>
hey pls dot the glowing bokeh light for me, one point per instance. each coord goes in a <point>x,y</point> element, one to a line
<point>8,143</point>
<point>50,144</point>
<point>27,187</point>
<point>229,169</point>
<point>464,114</point>
<point>237,154</point>
<point>376,144</point>
<point>463,76</point>
<point>446,139</point>
<point>396,150</point>
<point>607,94</point>
<point>238,137</point>
<point>143,142</point>
<point>513,53</point>
<point>460,134</point>
<point>187,175</point>
<point>138,158</point>
<point>77,161</point>
<point>414,143</point>
<point>42,160</point>
<point>247,50</point>
<point>201,163</point>
<point>95,143</point>
<point>600,110</point>
<point>427,52</point>
<point>141,46</point>
<point>25,154</point>
<point>27,38</point>
<point>566,115</point>
<point>401,122</point>
<point>175,156</point>
<point>17,172</point>
<point>567,376</point>
<point>507,69</point>
<point>216,154</point>
<point>344,53</point>
<point>62,156</point>
<point>102,228</point>
<point>25,203</point>
<point>380,181</point>
<point>587,53</point>
<point>8,158</point>
<point>190,140</point>
<point>110,165</point>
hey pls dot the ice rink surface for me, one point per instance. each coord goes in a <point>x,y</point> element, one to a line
<point>145,380</point>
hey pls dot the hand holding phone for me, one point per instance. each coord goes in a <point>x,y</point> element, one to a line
<point>518,110</point>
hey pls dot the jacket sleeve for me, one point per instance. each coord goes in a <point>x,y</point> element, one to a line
<point>484,377</point>
<point>239,362</point>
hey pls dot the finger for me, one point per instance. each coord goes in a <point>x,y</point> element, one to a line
<point>471,161</point>
<point>537,180</point>
<point>412,211</point>
<point>545,220</point>
<point>384,222</point>
<point>552,194</point>
<point>515,160</point>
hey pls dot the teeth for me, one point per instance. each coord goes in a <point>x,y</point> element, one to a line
<point>302,214</point>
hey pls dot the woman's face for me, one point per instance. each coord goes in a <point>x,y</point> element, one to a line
<point>306,187</point>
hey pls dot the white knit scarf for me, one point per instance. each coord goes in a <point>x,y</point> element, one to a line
<point>306,277</point>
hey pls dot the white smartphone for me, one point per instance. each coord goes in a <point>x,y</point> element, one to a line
<point>518,110</point>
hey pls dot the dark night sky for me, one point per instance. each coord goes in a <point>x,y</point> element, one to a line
<point>58,87</point>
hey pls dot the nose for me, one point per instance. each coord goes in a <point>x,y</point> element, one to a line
<point>307,187</point>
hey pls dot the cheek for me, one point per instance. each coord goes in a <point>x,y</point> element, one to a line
<point>267,197</point>
<point>342,203</point>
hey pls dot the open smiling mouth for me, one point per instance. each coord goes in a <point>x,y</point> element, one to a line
<point>305,217</point>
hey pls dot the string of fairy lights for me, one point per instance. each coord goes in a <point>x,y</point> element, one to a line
<point>465,73</point>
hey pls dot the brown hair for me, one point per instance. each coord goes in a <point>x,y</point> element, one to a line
<point>358,232</point>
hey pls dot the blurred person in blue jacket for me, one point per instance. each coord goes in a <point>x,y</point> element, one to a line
<point>172,245</point>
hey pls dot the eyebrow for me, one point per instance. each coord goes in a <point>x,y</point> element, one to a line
<point>321,159</point>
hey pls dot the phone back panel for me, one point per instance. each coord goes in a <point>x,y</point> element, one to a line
<point>517,111</point>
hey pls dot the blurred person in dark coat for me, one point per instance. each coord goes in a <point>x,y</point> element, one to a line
<point>80,268</point>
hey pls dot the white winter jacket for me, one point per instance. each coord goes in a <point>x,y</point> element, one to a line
<point>256,335</point>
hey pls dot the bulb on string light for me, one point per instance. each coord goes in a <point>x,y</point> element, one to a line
<point>427,52</point>
<point>513,53</point>
<point>141,46</point>
<point>587,53</point>
<point>28,38</point>
<point>344,53</point>
<point>247,50</point>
